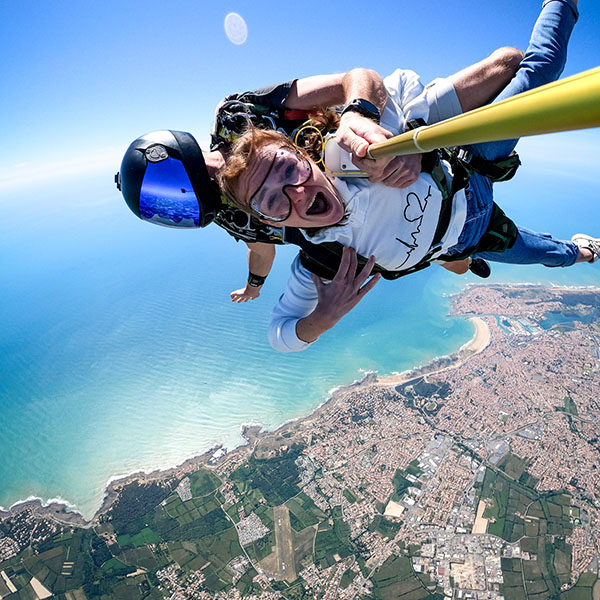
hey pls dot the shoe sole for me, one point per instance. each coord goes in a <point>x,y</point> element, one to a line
<point>584,237</point>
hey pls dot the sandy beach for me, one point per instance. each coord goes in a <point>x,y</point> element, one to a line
<point>479,342</point>
<point>482,337</point>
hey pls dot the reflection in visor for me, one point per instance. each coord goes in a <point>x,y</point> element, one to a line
<point>167,197</point>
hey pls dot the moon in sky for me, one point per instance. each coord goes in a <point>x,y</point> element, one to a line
<point>236,29</point>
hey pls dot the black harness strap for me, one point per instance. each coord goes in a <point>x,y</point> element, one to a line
<point>501,169</point>
<point>324,259</point>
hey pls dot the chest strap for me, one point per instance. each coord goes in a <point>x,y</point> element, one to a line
<point>324,259</point>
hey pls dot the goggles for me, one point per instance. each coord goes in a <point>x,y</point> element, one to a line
<point>288,168</point>
<point>164,180</point>
<point>167,196</point>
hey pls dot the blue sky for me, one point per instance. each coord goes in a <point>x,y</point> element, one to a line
<point>81,80</point>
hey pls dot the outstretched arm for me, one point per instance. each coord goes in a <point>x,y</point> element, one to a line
<point>260,261</point>
<point>475,86</point>
<point>308,307</point>
<point>320,91</point>
<point>356,132</point>
<point>481,82</point>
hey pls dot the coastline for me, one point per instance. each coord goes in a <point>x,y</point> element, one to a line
<point>65,513</point>
<point>218,456</point>
<point>478,343</point>
<point>482,338</point>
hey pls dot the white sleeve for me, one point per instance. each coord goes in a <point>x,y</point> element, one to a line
<point>297,302</point>
<point>406,100</point>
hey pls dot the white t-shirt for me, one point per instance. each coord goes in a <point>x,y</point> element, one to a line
<point>406,100</point>
<point>395,225</point>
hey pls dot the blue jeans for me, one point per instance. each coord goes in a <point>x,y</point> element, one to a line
<point>543,63</point>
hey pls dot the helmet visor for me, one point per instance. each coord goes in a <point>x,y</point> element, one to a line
<point>167,196</point>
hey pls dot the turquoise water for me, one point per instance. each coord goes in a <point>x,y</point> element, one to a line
<point>120,350</point>
<point>553,318</point>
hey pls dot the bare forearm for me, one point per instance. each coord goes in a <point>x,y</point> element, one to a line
<point>339,88</point>
<point>260,258</point>
<point>310,328</point>
<point>260,261</point>
<point>364,83</point>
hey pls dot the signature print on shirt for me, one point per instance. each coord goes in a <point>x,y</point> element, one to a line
<point>413,213</point>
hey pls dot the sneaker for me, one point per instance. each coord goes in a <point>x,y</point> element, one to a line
<point>582,240</point>
<point>480,267</point>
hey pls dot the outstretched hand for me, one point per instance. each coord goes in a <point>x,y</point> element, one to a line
<point>339,296</point>
<point>244,294</point>
<point>355,133</point>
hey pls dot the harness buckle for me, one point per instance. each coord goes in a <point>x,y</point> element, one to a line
<point>464,155</point>
<point>431,252</point>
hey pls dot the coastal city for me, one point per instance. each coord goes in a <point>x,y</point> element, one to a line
<point>473,477</point>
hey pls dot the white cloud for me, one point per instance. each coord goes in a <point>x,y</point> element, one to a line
<point>28,173</point>
<point>574,154</point>
<point>81,162</point>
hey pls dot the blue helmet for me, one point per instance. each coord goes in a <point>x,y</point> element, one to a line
<point>164,180</point>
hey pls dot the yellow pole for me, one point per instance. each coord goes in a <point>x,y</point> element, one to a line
<point>571,103</point>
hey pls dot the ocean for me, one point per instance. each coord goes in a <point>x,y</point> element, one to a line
<point>120,350</point>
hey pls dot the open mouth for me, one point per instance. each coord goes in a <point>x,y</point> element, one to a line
<point>319,205</point>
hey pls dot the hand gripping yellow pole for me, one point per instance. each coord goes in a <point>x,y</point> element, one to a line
<point>571,103</point>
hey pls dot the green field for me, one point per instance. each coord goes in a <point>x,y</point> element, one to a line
<point>513,466</point>
<point>304,512</point>
<point>333,540</point>
<point>396,580</point>
<point>584,588</point>
<point>347,578</point>
<point>401,483</point>
<point>569,406</point>
<point>349,495</point>
<point>154,528</point>
<point>541,514</point>
<point>145,537</point>
<point>541,529</point>
<point>261,548</point>
<point>275,478</point>
<point>203,482</point>
<point>385,527</point>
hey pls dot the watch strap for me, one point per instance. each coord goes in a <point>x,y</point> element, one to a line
<point>255,280</point>
<point>363,107</point>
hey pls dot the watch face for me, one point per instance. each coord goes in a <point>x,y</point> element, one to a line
<point>363,107</point>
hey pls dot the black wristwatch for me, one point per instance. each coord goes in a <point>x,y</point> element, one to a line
<point>255,280</point>
<point>363,107</point>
